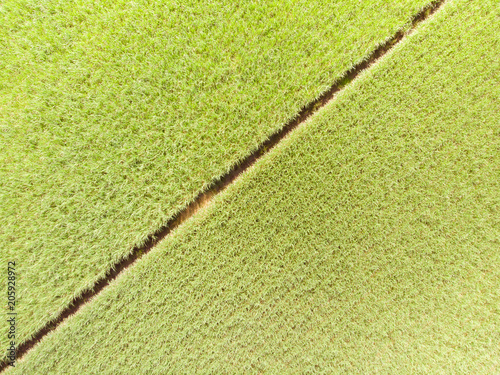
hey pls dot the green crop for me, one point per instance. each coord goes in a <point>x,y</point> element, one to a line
<point>114,115</point>
<point>367,241</point>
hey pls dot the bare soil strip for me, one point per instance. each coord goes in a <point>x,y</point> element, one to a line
<point>217,186</point>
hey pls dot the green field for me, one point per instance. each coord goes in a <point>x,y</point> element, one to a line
<point>116,114</point>
<point>367,241</point>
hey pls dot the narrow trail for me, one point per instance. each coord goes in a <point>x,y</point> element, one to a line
<point>219,185</point>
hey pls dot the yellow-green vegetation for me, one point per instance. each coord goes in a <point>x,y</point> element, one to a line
<point>114,115</point>
<point>367,241</point>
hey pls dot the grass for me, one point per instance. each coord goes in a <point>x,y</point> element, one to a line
<point>367,241</point>
<point>116,114</point>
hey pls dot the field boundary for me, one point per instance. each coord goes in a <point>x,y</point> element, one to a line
<point>217,186</point>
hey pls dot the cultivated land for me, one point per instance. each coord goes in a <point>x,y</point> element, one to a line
<point>366,241</point>
<point>116,114</point>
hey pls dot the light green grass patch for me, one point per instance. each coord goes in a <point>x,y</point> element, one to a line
<point>368,241</point>
<point>114,115</point>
